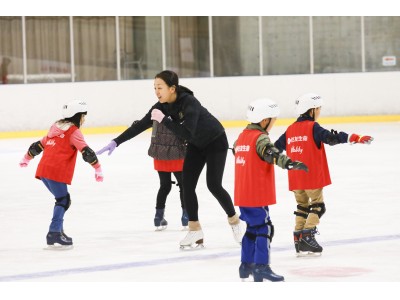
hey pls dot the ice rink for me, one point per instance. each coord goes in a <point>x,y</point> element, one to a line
<point>115,242</point>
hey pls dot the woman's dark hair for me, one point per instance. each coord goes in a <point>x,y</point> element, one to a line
<point>169,77</point>
<point>76,119</point>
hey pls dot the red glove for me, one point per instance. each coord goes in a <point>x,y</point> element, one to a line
<point>361,139</point>
<point>98,174</point>
<point>25,161</point>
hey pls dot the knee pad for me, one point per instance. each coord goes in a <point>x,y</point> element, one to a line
<point>269,231</point>
<point>304,212</point>
<point>250,235</point>
<point>314,209</point>
<point>64,202</point>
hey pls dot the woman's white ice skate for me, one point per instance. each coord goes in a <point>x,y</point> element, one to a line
<point>192,241</point>
<point>238,233</point>
<point>237,229</point>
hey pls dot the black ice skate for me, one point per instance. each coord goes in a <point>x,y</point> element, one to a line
<point>245,270</point>
<point>308,245</point>
<point>296,239</point>
<point>66,236</point>
<point>184,219</point>
<point>262,272</point>
<point>57,241</point>
<point>159,222</point>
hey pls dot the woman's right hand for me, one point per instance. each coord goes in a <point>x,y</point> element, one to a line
<point>110,148</point>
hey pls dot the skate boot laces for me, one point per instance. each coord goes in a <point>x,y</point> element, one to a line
<point>314,231</point>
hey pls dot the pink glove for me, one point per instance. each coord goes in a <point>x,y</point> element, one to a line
<point>110,148</point>
<point>157,115</point>
<point>362,139</point>
<point>25,161</point>
<point>98,174</point>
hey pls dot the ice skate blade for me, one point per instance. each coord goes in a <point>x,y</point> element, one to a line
<point>271,281</point>
<point>308,254</point>
<point>191,247</point>
<point>58,247</point>
<point>161,228</point>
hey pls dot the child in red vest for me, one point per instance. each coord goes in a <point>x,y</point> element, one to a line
<point>57,165</point>
<point>255,157</point>
<point>304,140</point>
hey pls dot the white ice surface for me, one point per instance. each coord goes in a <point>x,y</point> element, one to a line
<point>115,242</point>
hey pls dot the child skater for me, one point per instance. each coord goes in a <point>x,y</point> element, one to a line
<point>57,165</point>
<point>168,152</point>
<point>304,140</point>
<point>255,157</point>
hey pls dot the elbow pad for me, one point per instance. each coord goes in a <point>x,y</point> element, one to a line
<point>35,149</point>
<point>333,138</point>
<point>271,154</point>
<point>89,156</point>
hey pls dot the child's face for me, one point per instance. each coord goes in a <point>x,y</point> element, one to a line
<point>270,125</point>
<point>317,112</point>
<point>83,119</point>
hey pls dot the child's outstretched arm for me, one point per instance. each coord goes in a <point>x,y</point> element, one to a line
<point>35,149</point>
<point>88,155</point>
<point>333,137</point>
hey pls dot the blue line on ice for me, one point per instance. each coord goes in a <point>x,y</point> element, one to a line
<point>198,256</point>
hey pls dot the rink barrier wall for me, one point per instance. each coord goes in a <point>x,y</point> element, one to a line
<point>32,107</point>
<point>227,124</point>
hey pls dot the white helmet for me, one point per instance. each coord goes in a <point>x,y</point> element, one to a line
<point>261,109</point>
<point>70,109</point>
<point>307,101</point>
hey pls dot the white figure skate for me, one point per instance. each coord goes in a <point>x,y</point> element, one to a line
<point>237,231</point>
<point>237,228</point>
<point>193,240</point>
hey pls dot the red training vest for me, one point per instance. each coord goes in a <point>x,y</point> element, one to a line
<point>59,158</point>
<point>254,178</point>
<point>300,145</point>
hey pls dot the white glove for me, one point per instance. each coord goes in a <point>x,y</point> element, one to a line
<point>157,115</point>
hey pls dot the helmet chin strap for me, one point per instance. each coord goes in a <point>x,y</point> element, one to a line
<point>266,126</point>
<point>313,114</point>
